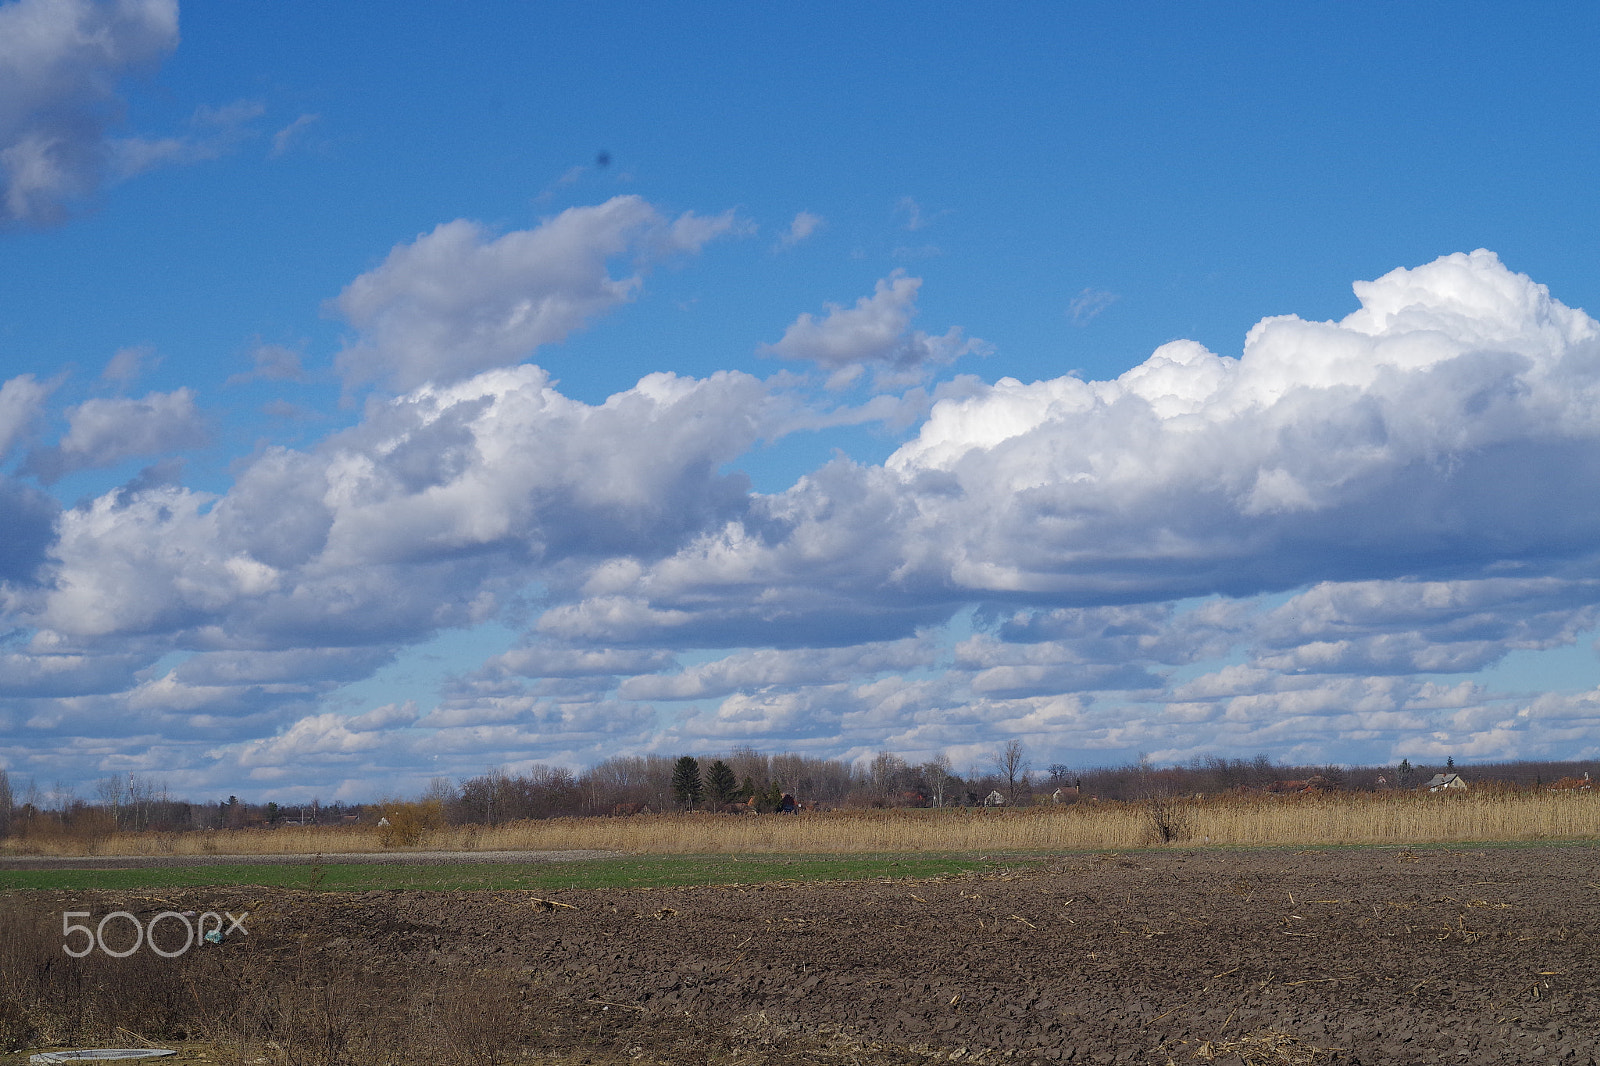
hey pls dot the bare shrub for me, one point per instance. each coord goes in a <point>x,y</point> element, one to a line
<point>1168,817</point>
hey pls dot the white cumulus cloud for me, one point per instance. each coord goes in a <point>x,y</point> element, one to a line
<point>1289,549</point>
<point>1440,430</point>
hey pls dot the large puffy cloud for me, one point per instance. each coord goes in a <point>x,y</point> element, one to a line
<point>1443,427</point>
<point>126,567</point>
<point>60,62</point>
<point>505,461</point>
<point>1448,428</point>
<point>399,525</point>
<point>316,566</point>
<point>457,300</point>
<point>1423,461</point>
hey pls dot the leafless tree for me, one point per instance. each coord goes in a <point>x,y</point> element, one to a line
<point>111,792</point>
<point>1012,762</point>
<point>886,772</point>
<point>936,772</point>
<point>440,791</point>
<point>746,762</point>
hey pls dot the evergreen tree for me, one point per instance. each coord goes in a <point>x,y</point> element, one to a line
<point>686,780</point>
<point>721,785</point>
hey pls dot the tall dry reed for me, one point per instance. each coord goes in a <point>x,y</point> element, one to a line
<point>1353,818</point>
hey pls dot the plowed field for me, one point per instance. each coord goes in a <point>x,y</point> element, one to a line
<point>1351,955</point>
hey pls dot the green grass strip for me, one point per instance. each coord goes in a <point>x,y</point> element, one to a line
<point>664,871</point>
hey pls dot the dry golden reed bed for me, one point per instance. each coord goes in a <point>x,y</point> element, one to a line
<point>1393,818</point>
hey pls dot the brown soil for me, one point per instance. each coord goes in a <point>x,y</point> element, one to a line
<point>1353,956</point>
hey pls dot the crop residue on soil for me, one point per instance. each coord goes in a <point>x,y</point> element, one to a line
<point>1355,956</point>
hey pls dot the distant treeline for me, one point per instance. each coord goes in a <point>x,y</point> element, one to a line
<point>633,784</point>
<point>141,804</point>
<point>638,783</point>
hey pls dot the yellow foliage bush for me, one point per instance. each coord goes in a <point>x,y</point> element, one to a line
<point>410,824</point>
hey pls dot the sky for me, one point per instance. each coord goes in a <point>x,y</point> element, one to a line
<point>397,393</point>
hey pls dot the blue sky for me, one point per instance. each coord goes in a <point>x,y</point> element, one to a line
<point>913,377</point>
